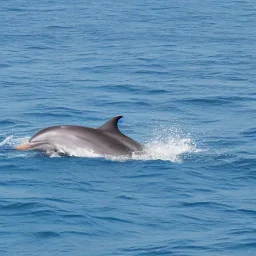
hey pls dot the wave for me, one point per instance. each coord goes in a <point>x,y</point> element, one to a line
<point>168,146</point>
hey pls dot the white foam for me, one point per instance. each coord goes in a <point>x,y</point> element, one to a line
<point>12,141</point>
<point>6,140</point>
<point>78,152</point>
<point>167,149</point>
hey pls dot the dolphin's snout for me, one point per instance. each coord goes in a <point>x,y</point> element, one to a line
<point>24,146</point>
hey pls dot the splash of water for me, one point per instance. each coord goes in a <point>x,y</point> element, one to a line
<point>6,141</point>
<point>167,149</point>
<point>12,141</point>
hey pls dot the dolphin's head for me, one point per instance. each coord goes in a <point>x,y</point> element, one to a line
<point>39,141</point>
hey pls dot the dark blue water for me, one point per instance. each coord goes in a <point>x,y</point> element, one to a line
<point>183,75</point>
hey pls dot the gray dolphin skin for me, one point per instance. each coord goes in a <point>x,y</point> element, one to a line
<point>105,140</point>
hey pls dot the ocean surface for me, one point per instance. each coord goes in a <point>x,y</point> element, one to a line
<point>183,75</point>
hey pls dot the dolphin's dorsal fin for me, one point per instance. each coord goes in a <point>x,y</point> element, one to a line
<point>111,125</point>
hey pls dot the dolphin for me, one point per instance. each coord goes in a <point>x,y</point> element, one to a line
<point>105,140</point>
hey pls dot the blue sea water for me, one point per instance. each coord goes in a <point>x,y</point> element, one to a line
<point>182,73</point>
